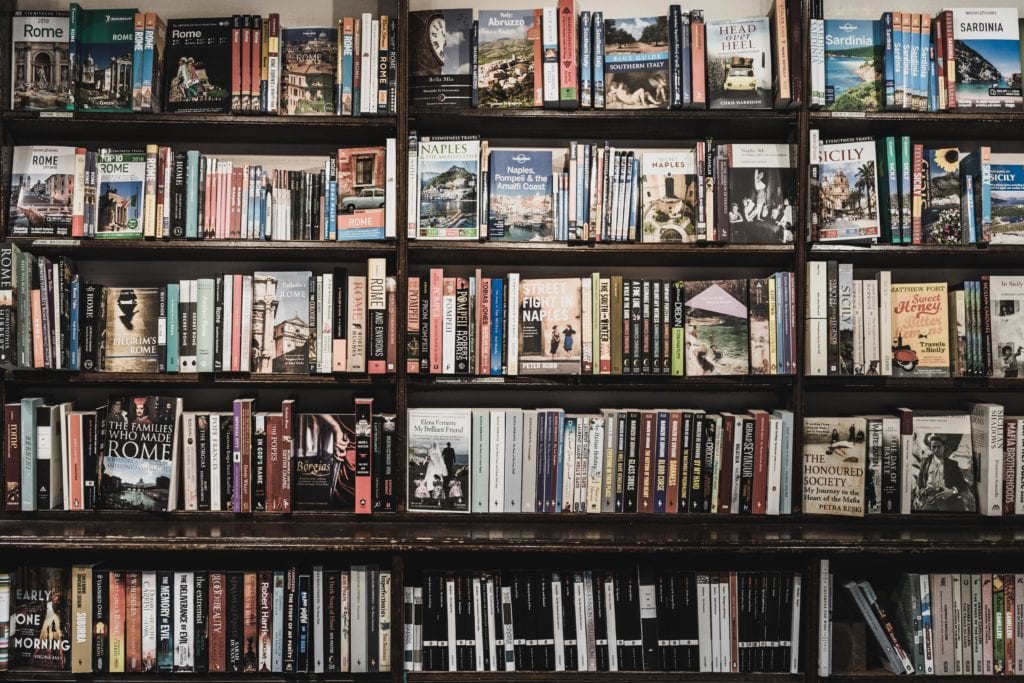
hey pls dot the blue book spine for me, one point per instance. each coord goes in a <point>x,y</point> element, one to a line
<point>28,452</point>
<point>786,484</point>
<point>686,61</point>
<point>586,60</point>
<point>332,210</point>
<point>780,307</point>
<point>559,451</point>
<point>148,55</point>
<point>634,197</point>
<point>675,56</point>
<point>661,456</point>
<point>889,81</point>
<point>173,335</point>
<point>923,64</point>
<point>74,350</point>
<point>138,60</point>
<point>905,189</point>
<point>899,64</point>
<point>192,194</point>
<point>986,199</point>
<point>597,58</point>
<point>497,323</point>
<point>475,65</point>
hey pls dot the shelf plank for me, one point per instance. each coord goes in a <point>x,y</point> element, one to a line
<point>920,384</point>
<point>921,256</point>
<point>593,677</point>
<point>602,382</point>
<point>208,250</point>
<point>69,379</point>
<point>968,125</point>
<point>47,677</point>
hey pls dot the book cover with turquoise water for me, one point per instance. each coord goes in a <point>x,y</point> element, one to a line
<point>853,64</point>
<point>986,44</point>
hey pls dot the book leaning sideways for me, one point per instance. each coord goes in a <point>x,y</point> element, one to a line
<point>986,45</point>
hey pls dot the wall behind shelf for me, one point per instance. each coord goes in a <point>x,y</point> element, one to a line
<point>714,9</point>
<point>842,9</point>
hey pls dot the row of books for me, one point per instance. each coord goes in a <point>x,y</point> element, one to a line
<point>298,322</point>
<point>599,325</point>
<point>631,619</point>
<point>946,624</point>
<point>559,57</point>
<point>648,461</point>
<point>922,329</point>
<point>913,461</point>
<point>159,192</point>
<point>123,60</point>
<point>94,619</point>
<point>895,191</point>
<point>141,452</point>
<point>597,192</point>
<point>966,58</point>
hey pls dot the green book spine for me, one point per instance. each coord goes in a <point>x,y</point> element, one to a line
<point>678,329</point>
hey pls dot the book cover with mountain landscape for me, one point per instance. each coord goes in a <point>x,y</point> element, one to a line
<point>505,68</point>
<point>853,64</point>
<point>1007,195</point>
<point>717,327</point>
<point>636,63</point>
<point>448,192</point>
<point>986,45</point>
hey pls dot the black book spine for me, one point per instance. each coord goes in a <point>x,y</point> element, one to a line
<point>311,311</point>
<point>772,637</point>
<point>637,327</point>
<point>516,580</point>
<point>650,651</point>
<point>685,461</point>
<point>388,459</point>
<point>100,621</point>
<point>986,318</point>
<point>303,599</point>
<point>424,325</point>
<point>747,468</point>
<point>164,610</point>
<point>393,29</point>
<point>227,471</point>
<point>43,465</point>
<point>203,462</point>
<point>259,464</point>
<point>290,595</point>
<point>621,446</point>
<point>218,322</point>
<point>632,461</point>
<point>463,649</point>
<point>890,475</point>
<point>66,272</point>
<point>627,326</point>
<point>201,637</point>
<point>666,328</point>
<point>90,326</point>
<point>178,181</point>
<point>377,466</point>
<point>339,320</point>
<point>710,439</point>
<point>235,619</point>
<point>462,326</point>
<point>832,280</point>
<point>89,460</point>
<point>697,470</point>
<point>656,315</point>
<point>565,584</point>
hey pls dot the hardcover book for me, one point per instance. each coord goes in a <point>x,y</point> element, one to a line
<point>40,637</point>
<point>440,72</point>
<point>40,63</point>
<point>636,63</point>
<point>361,193</point>
<point>197,66</point>
<point>668,195</point>
<point>739,63</point>
<point>717,334</point>
<point>448,179</point>
<point>438,460</point>
<point>130,333</point>
<point>42,189</point>
<point>280,322</point>
<point>847,191</point>
<point>104,47</point>
<point>761,192</point>
<point>505,68</point>
<point>1006,296</point>
<point>986,46</point>
<point>310,56</point>
<point>834,459</point>
<point>549,322</point>
<point>520,199</point>
<point>120,185</point>
<point>138,470</point>
<point>940,209</point>
<point>1007,198</point>
<point>325,462</point>
<point>854,53</point>
<point>941,465</point>
<point>920,328</point>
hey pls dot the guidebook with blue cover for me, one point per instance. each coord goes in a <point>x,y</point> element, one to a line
<point>853,64</point>
<point>520,204</point>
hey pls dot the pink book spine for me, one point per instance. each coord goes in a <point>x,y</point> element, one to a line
<point>436,294</point>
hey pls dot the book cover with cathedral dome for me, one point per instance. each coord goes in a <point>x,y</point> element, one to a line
<point>847,200</point>
<point>40,63</point>
<point>101,55</point>
<point>307,85</point>
<point>281,322</point>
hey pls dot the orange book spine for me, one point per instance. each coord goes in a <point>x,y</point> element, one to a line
<point>75,468</point>
<point>699,80</point>
<point>412,327</point>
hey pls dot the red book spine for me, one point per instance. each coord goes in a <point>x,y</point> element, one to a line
<point>645,502</point>
<point>436,336</point>
<point>412,325</point>
<point>246,50</point>
<point>133,623</point>
<point>760,493</point>
<point>476,325</point>
<point>917,182</point>
<point>392,332</point>
<point>568,66</point>
<point>484,328</point>
<point>38,360</point>
<point>364,456</point>
<point>249,622</point>
<point>218,634</point>
<point>237,178</point>
<point>724,501</point>
<point>161,167</point>
<point>12,457</point>
<point>675,424</point>
<point>940,58</point>
<point>236,62</point>
<point>699,83</point>
<point>287,450</point>
<point>947,39</point>
<point>236,323</point>
<point>209,226</point>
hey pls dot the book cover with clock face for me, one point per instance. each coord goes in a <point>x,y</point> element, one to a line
<point>441,41</point>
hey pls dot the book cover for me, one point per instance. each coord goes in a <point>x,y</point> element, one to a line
<point>197,66</point>
<point>550,313</point>
<point>105,45</point>
<point>854,54</point>
<point>834,458</point>
<point>138,469</point>
<point>920,325</point>
<point>739,63</point>
<point>280,322</point>
<point>505,61</point>
<point>762,191</point>
<point>130,332</point>
<point>1006,296</point>
<point>307,84</point>
<point>448,179</point>
<point>940,209</point>
<point>847,191</point>
<point>761,358</point>
<point>40,637</point>
<point>438,460</point>
<point>519,196</point>
<point>121,176</point>
<point>716,327</point>
<point>986,47</point>
<point>361,195</point>
<point>668,195</point>
<point>636,63</point>
<point>1007,197</point>
<point>325,462</point>
<point>42,189</point>
<point>440,62</point>
<point>40,63</point>
<point>941,464</point>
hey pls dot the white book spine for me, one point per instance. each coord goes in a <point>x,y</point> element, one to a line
<point>528,492</point>
<point>858,328</point>
<point>324,350</point>
<point>391,187</point>
<point>588,612</point>
<point>557,618</point>
<point>215,463</point>
<point>583,636</point>
<point>513,474</point>
<point>613,636</point>
<point>228,331</point>
<point>184,621</point>
<point>408,644</point>
<point>513,325</point>
<point>723,629</point>
<point>550,37</point>
<point>478,624</point>
<point>772,506</point>
<point>358,619</point>
<point>492,637</point>
<point>872,345</point>
<point>824,618</point>
<point>318,620</point>
<point>987,444</point>
<point>189,461</point>
<point>277,651</point>
<point>595,457</point>
<point>384,620</point>
<point>958,621</point>
<point>817,314</point>
<point>448,330</point>
<point>246,356</point>
<point>345,622</point>
<point>928,615</point>
<point>570,435</point>
<point>497,461</point>
<point>884,279</point>
<point>704,647</point>
<point>794,633</point>
<point>367,95</point>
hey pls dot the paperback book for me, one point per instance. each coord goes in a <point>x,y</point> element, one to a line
<point>834,460</point>
<point>761,191</point>
<point>717,334</point>
<point>325,462</point>
<point>40,63</point>
<point>505,63</point>
<point>854,54</point>
<point>138,468</point>
<point>40,636</point>
<point>42,189</point>
<point>105,42</point>
<point>847,191</point>
<point>281,322</point>
<point>520,196</point>
<point>920,328</point>
<point>549,321</point>
<point>1007,198</point>
<point>940,208</point>
<point>361,192</point>
<point>739,63</point>
<point>439,460</point>
<point>121,176</point>
<point>986,46</point>
<point>440,45</point>
<point>668,195</point>
<point>1006,296</point>
<point>448,178</point>
<point>197,68</point>
<point>131,333</point>
<point>310,57</point>
<point>636,63</point>
<point>941,464</point>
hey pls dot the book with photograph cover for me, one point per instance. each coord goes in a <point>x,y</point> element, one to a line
<point>739,63</point>
<point>854,53</point>
<point>847,191</point>
<point>1007,197</point>
<point>439,460</point>
<point>549,322</point>
<point>307,84</point>
<point>761,360</point>
<point>668,195</point>
<point>636,63</point>
<point>448,189</point>
<point>361,193</point>
<point>42,189</point>
<point>138,468</point>
<point>920,328</point>
<point>40,636</point>
<point>941,465</point>
<point>40,63</point>
<point>105,48</point>
<point>940,208</point>
<point>1006,302</point>
<point>440,45</point>
<point>986,47</point>
<point>130,333</point>
<point>325,462</point>
<point>120,185</point>
<point>834,461</point>
<point>520,198</point>
<point>280,322</point>
<point>505,68</point>
<point>197,66</point>
<point>717,327</point>
<point>762,191</point>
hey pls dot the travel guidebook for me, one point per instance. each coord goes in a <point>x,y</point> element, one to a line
<point>854,51</point>
<point>325,461</point>
<point>280,322</point>
<point>847,200</point>
<point>120,179</point>
<point>940,466</point>
<point>636,63</point>
<point>131,332</point>
<point>307,84</point>
<point>439,460</point>
<point>1006,297</point>
<point>717,337</point>
<point>760,333</point>
<point>668,195</point>
<point>105,43</point>
<point>940,208</point>
<point>920,329</point>
<point>834,461</point>
<point>520,196</point>
<point>507,42</point>
<point>40,635</point>
<point>739,63</point>
<point>42,187</point>
<point>137,469</point>
<point>440,43</point>
<point>986,44</point>
<point>761,192</point>
<point>1007,198</point>
<point>41,70</point>
<point>549,326</point>
<point>448,193</point>
<point>361,193</point>
<point>197,66</point>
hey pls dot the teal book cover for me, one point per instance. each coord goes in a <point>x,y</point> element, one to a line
<point>105,48</point>
<point>853,65</point>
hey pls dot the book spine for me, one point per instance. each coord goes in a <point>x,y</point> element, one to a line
<point>597,21</point>
<point>699,100</point>
<point>551,67</point>
<point>586,45</point>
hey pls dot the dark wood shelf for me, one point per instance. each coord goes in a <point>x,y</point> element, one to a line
<point>884,256</point>
<point>872,383</point>
<point>82,127</point>
<point>58,378</point>
<point>963,125</point>
<point>45,677</point>
<point>602,382</point>
<point>207,250</point>
<point>594,677</point>
<point>883,674</point>
<point>431,253</point>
